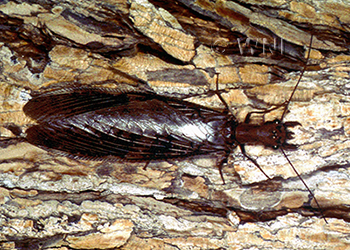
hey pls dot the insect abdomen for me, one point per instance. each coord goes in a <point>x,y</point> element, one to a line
<point>146,128</point>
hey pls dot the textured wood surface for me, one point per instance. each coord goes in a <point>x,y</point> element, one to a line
<point>174,48</point>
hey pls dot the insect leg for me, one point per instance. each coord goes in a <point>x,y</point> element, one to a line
<point>247,118</point>
<point>221,160</point>
<point>253,160</point>
<point>146,165</point>
<point>217,92</point>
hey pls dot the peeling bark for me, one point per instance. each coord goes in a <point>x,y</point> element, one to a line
<point>49,201</point>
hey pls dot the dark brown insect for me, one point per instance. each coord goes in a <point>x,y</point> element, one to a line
<point>139,125</point>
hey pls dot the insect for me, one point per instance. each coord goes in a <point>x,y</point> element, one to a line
<point>138,125</point>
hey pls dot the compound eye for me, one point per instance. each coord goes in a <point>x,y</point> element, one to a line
<point>275,147</point>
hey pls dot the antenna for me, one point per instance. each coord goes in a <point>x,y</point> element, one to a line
<point>281,148</point>
<point>296,86</point>
<point>301,179</point>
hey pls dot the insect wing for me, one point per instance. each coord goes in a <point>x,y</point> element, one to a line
<point>67,102</point>
<point>90,123</point>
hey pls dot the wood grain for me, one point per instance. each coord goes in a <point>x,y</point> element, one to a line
<point>48,201</point>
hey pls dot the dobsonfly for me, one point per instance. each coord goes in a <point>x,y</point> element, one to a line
<point>138,125</point>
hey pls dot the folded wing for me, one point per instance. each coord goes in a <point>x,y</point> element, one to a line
<point>100,124</point>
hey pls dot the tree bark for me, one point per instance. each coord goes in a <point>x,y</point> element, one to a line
<point>257,51</point>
